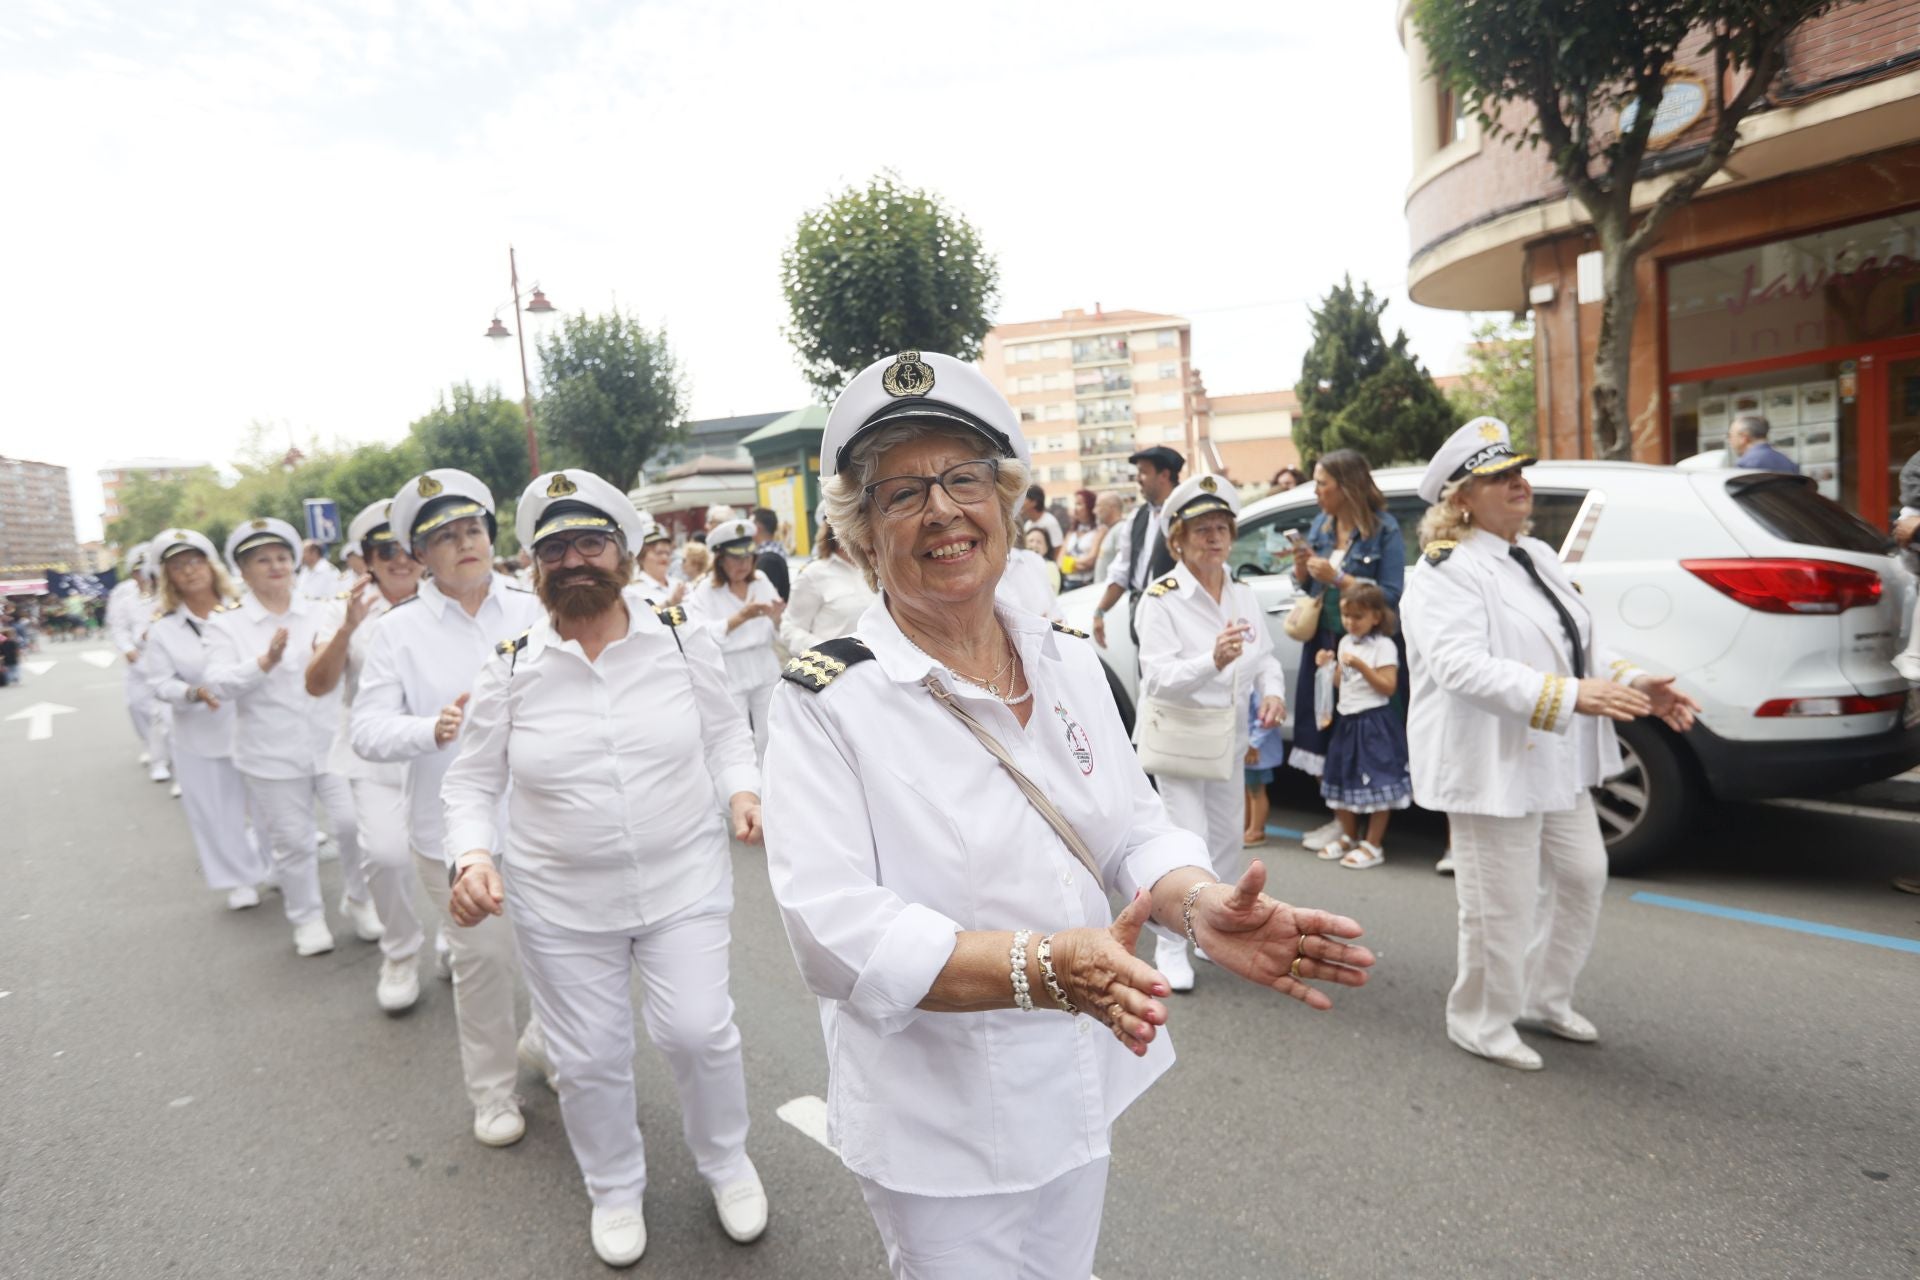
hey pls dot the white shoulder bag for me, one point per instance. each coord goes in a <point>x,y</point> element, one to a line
<point>1187,742</point>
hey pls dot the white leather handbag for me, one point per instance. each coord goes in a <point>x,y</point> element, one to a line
<point>1187,742</point>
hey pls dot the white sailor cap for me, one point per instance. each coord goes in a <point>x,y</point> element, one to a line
<point>1197,495</point>
<point>137,557</point>
<point>260,532</point>
<point>922,386</point>
<point>371,525</point>
<point>1483,447</point>
<point>574,499</point>
<point>735,536</point>
<point>171,542</point>
<point>652,530</point>
<point>435,498</point>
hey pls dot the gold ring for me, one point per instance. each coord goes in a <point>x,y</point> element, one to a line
<point>1294,971</point>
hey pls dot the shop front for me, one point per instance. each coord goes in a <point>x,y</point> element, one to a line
<point>1818,331</point>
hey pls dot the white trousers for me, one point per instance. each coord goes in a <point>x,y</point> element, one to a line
<point>386,864</point>
<point>285,807</point>
<point>1217,813</point>
<point>581,985</point>
<point>1529,891</point>
<point>483,961</point>
<point>1048,1233</point>
<point>336,797</point>
<point>754,704</point>
<point>214,796</point>
<point>152,718</point>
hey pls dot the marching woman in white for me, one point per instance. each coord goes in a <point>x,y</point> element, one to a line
<point>193,588</point>
<point>609,727</point>
<point>282,736</point>
<point>654,565</point>
<point>1514,695</point>
<point>829,595</point>
<point>950,798</point>
<point>744,610</point>
<point>410,706</point>
<point>1203,646</point>
<point>129,611</point>
<point>379,790</point>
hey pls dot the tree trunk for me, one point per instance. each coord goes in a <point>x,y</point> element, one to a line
<point>1613,354</point>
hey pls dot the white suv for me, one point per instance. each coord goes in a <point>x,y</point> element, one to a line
<point>1776,608</point>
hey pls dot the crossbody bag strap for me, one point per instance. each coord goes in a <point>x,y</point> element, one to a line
<point>1028,787</point>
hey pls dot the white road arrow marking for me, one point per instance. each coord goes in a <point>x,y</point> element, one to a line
<point>37,668</point>
<point>39,718</point>
<point>100,658</point>
<point>808,1114</point>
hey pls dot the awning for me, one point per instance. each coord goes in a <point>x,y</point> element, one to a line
<point>23,586</point>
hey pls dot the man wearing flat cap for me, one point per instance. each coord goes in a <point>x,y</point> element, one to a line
<point>1142,557</point>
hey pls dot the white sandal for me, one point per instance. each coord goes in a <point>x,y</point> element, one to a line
<point>1363,856</point>
<point>1339,848</point>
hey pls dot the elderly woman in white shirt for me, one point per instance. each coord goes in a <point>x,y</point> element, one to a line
<point>743,610</point>
<point>653,565</point>
<point>950,798</point>
<point>1514,697</point>
<point>829,595</point>
<point>1203,646</point>
<point>609,728</point>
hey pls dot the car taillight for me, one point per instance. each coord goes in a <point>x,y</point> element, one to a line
<point>1789,586</point>
<point>1852,704</point>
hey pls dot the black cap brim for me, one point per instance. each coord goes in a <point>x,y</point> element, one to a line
<point>922,410</point>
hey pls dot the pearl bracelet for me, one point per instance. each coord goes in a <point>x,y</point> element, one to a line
<point>1017,963</point>
<point>1054,989</point>
<point>1186,907</point>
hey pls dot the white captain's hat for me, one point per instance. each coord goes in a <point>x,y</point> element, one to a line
<point>371,525</point>
<point>1482,447</point>
<point>171,542</point>
<point>735,537</point>
<point>575,499</point>
<point>1197,495</point>
<point>652,530</point>
<point>435,498</point>
<point>137,557</point>
<point>922,386</point>
<point>249,535</point>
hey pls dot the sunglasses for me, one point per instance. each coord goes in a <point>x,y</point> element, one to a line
<point>387,551</point>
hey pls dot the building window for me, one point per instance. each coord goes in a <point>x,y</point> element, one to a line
<point>1452,117</point>
<point>1107,350</point>
<point>1026,413</point>
<point>1056,413</point>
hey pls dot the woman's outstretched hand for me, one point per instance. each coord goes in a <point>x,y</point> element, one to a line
<point>1106,981</point>
<point>1260,938</point>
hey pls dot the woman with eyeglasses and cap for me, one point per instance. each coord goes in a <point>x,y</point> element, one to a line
<point>744,610</point>
<point>283,736</point>
<point>1204,646</point>
<point>385,874</point>
<point>609,728</point>
<point>1515,693</point>
<point>193,587</point>
<point>653,566</point>
<point>950,799</point>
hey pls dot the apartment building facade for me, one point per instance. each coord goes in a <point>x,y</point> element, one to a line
<point>116,474</point>
<point>36,519</point>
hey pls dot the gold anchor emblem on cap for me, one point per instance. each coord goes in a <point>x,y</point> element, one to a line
<point>560,486</point>
<point>259,525</point>
<point>429,487</point>
<point>908,375</point>
<point>1208,485</point>
<point>1489,432</point>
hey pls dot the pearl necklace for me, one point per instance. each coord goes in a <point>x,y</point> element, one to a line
<point>991,684</point>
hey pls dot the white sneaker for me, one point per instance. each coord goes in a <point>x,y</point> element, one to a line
<point>499,1124</point>
<point>532,1051</point>
<point>1568,1026</point>
<point>399,985</point>
<point>366,920</point>
<point>242,898</point>
<point>160,773</point>
<point>145,759</point>
<point>1170,958</point>
<point>1445,865</point>
<point>1521,1057</point>
<point>312,938</point>
<point>174,791</point>
<point>1322,836</point>
<point>619,1235</point>
<point>442,957</point>
<point>742,1205</point>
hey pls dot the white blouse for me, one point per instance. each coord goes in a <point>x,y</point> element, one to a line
<point>826,602</point>
<point>889,830</point>
<point>341,757</point>
<point>748,648</point>
<point>1177,631</point>
<point>616,771</point>
<point>1377,651</point>
<point>281,731</point>
<point>174,664</point>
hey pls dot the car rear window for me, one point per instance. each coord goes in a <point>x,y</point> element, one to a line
<point>1790,507</point>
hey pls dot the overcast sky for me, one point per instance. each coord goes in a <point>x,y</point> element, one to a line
<point>299,213</point>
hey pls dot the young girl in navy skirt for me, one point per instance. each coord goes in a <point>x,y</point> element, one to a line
<point>1366,769</point>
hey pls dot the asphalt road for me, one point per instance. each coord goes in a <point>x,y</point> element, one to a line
<point>184,1096</point>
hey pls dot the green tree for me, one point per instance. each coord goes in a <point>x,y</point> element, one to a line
<point>611,395</point>
<point>480,432</point>
<point>1587,76</point>
<point>1499,378</point>
<point>882,269</point>
<point>147,505</point>
<point>1358,391</point>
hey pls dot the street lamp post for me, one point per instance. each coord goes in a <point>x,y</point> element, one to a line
<point>536,305</point>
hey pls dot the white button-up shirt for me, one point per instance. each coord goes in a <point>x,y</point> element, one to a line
<point>128,613</point>
<point>618,768</point>
<point>889,830</point>
<point>827,600</point>
<point>1121,570</point>
<point>425,653</point>
<point>341,757</point>
<point>1177,630</point>
<point>1491,727</point>
<point>318,581</point>
<point>174,664</point>
<point>281,732</point>
<point>748,648</point>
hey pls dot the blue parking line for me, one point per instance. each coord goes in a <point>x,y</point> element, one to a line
<point>1288,832</point>
<point>1813,927</point>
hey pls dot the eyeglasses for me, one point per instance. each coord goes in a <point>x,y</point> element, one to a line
<point>387,551</point>
<point>589,545</point>
<point>968,484</point>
